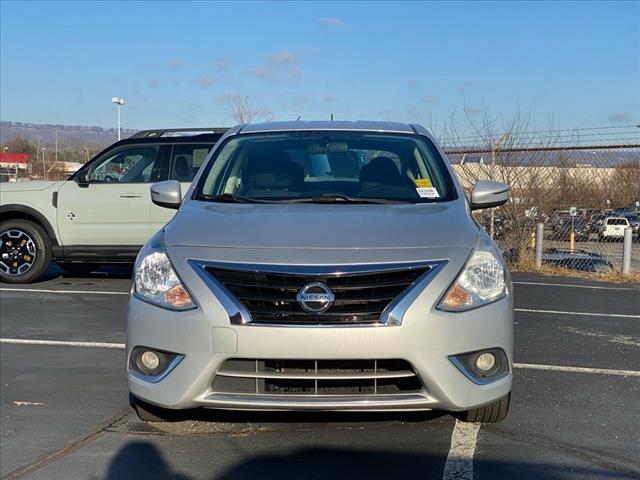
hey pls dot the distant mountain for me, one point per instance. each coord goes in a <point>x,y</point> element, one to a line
<point>68,135</point>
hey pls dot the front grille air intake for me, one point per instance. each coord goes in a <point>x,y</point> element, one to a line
<point>361,297</point>
<point>316,377</point>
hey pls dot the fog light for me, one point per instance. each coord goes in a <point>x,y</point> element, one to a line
<point>152,365</point>
<point>150,360</point>
<point>482,366</point>
<point>485,362</point>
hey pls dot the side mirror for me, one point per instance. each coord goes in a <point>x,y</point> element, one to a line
<point>488,194</point>
<point>82,179</point>
<point>167,194</point>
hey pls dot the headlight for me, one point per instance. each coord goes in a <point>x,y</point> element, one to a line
<point>480,282</point>
<point>155,281</point>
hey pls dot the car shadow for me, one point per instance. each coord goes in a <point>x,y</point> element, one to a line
<point>101,272</point>
<point>142,460</point>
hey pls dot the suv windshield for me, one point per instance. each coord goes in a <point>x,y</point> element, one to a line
<point>326,167</point>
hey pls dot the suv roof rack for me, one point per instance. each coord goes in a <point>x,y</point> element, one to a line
<point>177,132</point>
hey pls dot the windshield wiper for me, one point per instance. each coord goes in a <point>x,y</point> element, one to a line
<point>231,198</point>
<point>339,198</point>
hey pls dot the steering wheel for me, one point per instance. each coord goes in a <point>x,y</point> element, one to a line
<point>109,179</point>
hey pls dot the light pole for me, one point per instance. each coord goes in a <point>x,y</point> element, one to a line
<point>119,102</point>
<point>44,168</point>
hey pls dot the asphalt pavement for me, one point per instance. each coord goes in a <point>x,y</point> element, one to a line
<point>575,410</point>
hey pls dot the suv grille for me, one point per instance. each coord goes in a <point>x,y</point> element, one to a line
<point>360,298</point>
<point>316,377</point>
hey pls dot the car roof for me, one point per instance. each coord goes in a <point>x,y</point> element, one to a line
<point>173,135</point>
<point>360,125</point>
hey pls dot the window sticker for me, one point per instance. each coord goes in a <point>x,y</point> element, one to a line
<point>428,192</point>
<point>423,182</point>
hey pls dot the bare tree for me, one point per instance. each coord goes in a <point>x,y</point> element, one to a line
<point>243,111</point>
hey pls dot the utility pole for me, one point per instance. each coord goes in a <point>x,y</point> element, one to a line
<point>494,150</point>
<point>44,168</point>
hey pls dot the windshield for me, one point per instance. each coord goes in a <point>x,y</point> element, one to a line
<point>326,167</point>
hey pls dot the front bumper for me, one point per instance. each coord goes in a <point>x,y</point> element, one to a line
<point>425,339</point>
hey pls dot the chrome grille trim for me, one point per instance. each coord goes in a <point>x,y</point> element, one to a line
<point>301,378</point>
<point>391,315</point>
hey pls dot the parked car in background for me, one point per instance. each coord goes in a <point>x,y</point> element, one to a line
<point>613,228</point>
<point>282,284</point>
<point>103,213</point>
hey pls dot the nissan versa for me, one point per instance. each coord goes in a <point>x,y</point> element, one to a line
<point>322,266</point>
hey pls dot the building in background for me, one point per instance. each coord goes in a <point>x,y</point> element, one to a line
<point>13,166</point>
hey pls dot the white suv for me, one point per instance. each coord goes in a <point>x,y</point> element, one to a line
<point>613,228</point>
<point>101,214</point>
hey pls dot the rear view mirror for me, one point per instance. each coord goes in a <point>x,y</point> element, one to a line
<point>488,194</point>
<point>329,147</point>
<point>167,194</point>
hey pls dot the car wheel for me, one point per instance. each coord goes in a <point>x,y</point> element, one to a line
<point>151,413</point>
<point>78,268</point>
<point>495,412</point>
<point>25,251</point>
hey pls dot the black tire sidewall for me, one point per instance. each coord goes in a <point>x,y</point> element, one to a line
<point>43,250</point>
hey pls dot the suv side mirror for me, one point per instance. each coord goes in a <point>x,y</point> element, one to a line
<point>82,179</point>
<point>167,194</point>
<point>488,194</point>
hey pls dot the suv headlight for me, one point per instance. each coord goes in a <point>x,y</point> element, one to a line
<point>155,281</point>
<point>481,281</point>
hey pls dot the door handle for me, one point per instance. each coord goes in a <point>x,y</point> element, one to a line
<point>130,195</point>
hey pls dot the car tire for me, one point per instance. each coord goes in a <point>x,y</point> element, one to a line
<point>151,413</point>
<point>80,269</point>
<point>493,413</point>
<point>37,245</point>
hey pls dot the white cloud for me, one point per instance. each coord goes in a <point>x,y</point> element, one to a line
<point>284,57</point>
<point>204,81</point>
<point>332,21</point>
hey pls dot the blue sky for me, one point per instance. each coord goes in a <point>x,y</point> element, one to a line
<point>573,64</point>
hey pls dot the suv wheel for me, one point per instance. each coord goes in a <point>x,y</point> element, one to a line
<point>25,251</point>
<point>495,412</point>
<point>151,413</point>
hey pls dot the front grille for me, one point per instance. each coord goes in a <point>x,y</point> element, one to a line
<point>316,377</point>
<point>360,298</point>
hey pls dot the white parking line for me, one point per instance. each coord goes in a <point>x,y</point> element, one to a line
<point>594,287</point>
<point>459,464</point>
<point>587,314</point>
<point>563,368</point>
<point>60,343</point>
<point>39,290</point>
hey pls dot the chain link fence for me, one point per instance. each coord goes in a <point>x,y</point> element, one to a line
<point>585,196</point>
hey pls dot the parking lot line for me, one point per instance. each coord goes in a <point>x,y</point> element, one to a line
<point>459,464</point>
<point>39,290</point>
<point>587,314</point>
<point>563,368</point>
<point>570,285</point>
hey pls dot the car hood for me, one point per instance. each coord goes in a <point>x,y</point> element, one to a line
<point>29,186</point>
<point>315,226</point>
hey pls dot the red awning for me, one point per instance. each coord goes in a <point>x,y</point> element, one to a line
<point>14,157</point>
